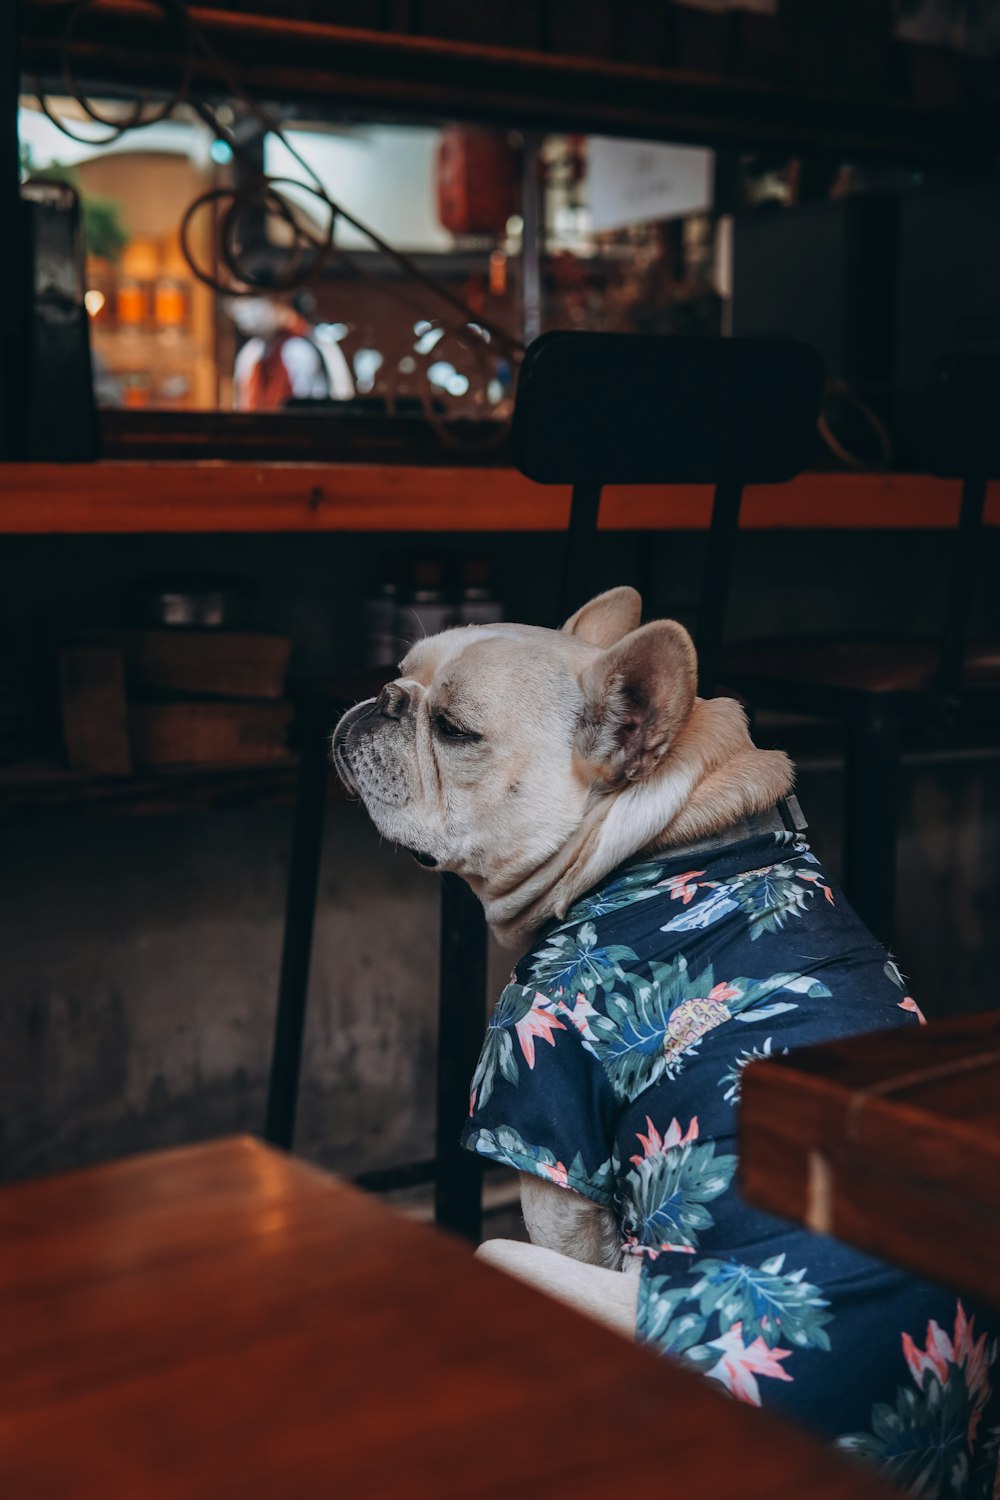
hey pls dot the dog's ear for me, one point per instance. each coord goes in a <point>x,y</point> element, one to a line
<point>638,695</point>
<point>607,618</point>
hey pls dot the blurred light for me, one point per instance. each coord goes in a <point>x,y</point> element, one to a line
<point>407,364</point>
<point>498,273</point>
<point>440,373</point>
<point>221,152</point>
<point>514,225</point>
<point>141,259</point>
<point>334,331</point>
<point>367,363</point>
<point>175,387</point>
<point>93,301</point>
<point>422,326</point>
<point>425,343</point>
<point>444,375</point>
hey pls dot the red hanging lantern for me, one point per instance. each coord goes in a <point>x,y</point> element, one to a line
<point>477,180</point>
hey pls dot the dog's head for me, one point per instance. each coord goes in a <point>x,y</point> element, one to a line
<point>500,749</point>
<point>491,741</point>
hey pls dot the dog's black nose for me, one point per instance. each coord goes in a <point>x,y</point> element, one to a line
<point>393,701</point>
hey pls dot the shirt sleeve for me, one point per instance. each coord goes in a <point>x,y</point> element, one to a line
<point>541,1101</point>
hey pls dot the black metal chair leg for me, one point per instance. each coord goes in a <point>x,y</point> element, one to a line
<point>577,583</point>
<point>461,1014</point>
<point>871,796</point>
<point>300,916</point>
<point>715,584</point>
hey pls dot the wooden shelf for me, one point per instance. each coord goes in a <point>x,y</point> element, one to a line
<point>153,497</point>
<point>39,789</point>
<point>353,69</point>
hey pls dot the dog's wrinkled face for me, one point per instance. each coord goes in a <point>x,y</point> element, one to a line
<point>470,752</point>
<point>484,754</point>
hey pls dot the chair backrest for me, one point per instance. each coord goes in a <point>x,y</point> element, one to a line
<point>606,408</point>
<point>609,408</point>
<point>963,417</point>
<point>962,424</point>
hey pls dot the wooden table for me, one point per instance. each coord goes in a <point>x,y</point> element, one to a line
<point>890,1142</point>
<point>225,1321</point>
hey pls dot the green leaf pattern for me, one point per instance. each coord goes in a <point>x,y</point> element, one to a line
<point>733,1321</point>
<point>572,962</point>
<point>780,1308</point>
<point>768,897</point>
<point>732,1078</point>
<point>924,1438</point>
<point>498,1047</point>
<point>663,1199</point>
<point>505,1144</point>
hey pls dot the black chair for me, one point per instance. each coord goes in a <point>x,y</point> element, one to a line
<point>598,408</point>
<point>592,409</point>
<point>881,689</point>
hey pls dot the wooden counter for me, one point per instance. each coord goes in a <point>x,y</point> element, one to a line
<point>121,497</point>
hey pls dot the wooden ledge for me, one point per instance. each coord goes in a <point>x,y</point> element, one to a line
<point>151,497</point>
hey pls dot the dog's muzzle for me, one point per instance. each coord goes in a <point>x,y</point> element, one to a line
<point>338,743</point>
<point>391,703</point>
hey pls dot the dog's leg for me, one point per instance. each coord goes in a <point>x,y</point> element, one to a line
<point>564,1221</point>
<point>574,1256</point>
<point>609,1297</point>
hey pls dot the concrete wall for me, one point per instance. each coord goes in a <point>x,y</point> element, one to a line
<point>140,978</point>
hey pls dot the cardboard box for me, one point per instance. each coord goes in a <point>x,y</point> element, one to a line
<point>174,734</point>
<point>93,711</point>
<point>216,663</point>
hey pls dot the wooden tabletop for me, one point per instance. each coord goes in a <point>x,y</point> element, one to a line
<point>225,1321</point>
<point>890,1142</point>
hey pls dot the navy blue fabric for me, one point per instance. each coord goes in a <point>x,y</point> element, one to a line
<point>612,1066</point>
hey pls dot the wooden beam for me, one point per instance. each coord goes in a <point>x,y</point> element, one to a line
<point>70,499</point>
<point>345,68</point>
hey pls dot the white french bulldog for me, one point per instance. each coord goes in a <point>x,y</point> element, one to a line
<point>630,837</point>
<point>532,763</point>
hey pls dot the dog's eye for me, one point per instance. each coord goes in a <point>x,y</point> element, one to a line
<point>448,730</point>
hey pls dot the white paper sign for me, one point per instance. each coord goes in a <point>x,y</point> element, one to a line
<point>631,182</point>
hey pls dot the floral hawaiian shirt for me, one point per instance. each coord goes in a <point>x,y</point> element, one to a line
<point>612,1066</point>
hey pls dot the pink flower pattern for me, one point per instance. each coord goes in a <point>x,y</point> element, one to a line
<point>684,887</point>
<point>819,882</point>
<point>557,1174</point>
<point>539,1022</point>
<point>654,1142</point>
<point>963,1351</point>
<point>740,1363</point>
<point>580,1015</point>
